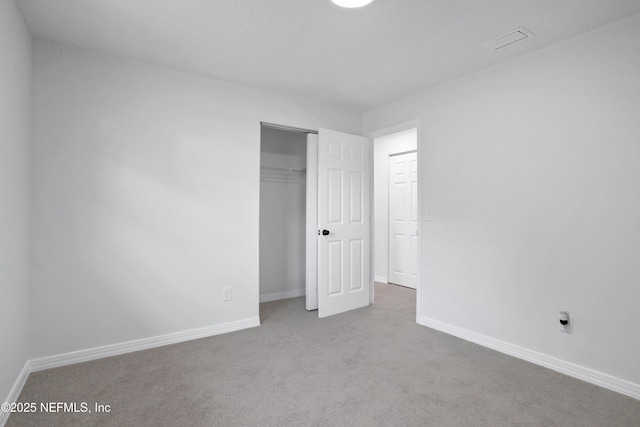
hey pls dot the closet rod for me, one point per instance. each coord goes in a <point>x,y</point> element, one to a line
<point>287,128</point>
<point>270,168</point>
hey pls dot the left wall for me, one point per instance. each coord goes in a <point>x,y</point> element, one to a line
<point>15,88</point>
<point>145,201</point>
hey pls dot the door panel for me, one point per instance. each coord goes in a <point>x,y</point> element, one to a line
<point>356,189</point>
<point>403,219</point>
<point>357,265</point>
<point>334,196</point>
<point>343,210</point>
<point>335,268</point>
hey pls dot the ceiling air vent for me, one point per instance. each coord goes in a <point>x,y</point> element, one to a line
<point>516,36</point>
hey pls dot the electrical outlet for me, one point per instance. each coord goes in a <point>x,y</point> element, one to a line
<point>568,327</point>
<point>227,294</point>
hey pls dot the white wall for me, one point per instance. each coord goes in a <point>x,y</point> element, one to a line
<point>15,99</point>
<point>383,147</point>
<point>145,197</point>
<point>282,215</point>
<point>531,175</point>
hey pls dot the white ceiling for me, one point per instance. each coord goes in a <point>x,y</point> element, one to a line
<point>359,58</point>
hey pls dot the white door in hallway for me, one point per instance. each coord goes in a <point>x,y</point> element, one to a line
<point>343,222</point>
<point>403,219</point>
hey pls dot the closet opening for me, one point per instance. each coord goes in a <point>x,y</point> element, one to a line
<point>283,166</point>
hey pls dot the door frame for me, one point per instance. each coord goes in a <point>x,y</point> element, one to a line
<point>311,273</point>
<point>311,297</point>
<point>311,226</point>
<point>411,124</point>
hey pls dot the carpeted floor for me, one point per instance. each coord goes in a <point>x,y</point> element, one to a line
<point>370,367</point>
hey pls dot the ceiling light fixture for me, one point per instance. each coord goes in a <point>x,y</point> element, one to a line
<point>352,3</point>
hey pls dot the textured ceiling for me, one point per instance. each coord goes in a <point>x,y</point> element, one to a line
<point>359,58</point>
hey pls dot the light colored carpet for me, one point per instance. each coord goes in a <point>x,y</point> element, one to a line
<point>370,367</point>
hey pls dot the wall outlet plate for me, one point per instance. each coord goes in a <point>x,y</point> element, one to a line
<point>567,329</point>
<point>227,294</point>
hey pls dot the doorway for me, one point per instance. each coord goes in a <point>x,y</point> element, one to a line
<point>403,219</point>
<point>396,210</point>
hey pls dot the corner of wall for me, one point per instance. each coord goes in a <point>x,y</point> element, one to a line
<point>15,121</point>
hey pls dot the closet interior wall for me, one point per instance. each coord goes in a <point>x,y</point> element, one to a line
<point>283,162</point>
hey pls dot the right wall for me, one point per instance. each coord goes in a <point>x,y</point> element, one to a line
<point>530,171</point>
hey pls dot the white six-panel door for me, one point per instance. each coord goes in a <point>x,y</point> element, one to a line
<point>403,219</point>
<point>343,222</point>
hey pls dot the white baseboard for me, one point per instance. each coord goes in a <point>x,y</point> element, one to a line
<point>15,391</point>
<point>381,279</point>
<point>283,295</point>
<point>137,345</point>
<point>589,375</point>
<point>35,365</point>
